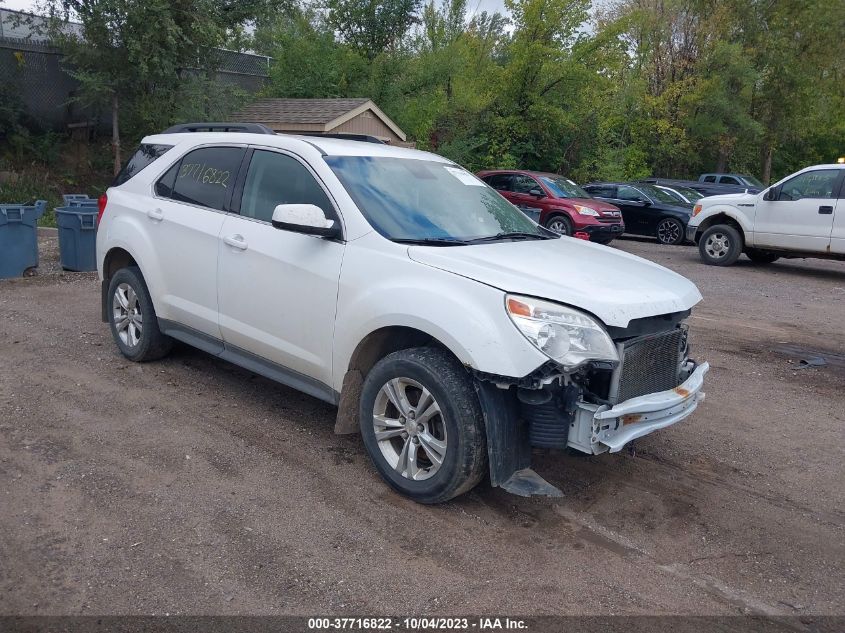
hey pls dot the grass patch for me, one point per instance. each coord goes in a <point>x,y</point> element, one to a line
<point>74,168</point>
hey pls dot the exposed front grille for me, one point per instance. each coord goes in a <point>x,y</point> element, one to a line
<point>650,363</point>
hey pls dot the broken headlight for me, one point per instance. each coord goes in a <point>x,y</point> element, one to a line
<point>564,334</point>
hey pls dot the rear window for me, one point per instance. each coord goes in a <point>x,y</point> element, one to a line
<point>143,156</point>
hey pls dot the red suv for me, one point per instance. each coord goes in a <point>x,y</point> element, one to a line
<point>557,203</point>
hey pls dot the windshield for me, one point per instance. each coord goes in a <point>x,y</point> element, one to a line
<point>658,194</point>
<point>680,193</point>
<point>407,199</point>
<point>690,194</point>
<point>563,187</point>
<point>753,181</point>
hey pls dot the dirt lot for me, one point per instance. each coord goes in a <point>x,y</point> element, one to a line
<point>192,486</point>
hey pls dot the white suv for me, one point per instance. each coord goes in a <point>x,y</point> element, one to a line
<point>803,215</point>
<point>449,329</point>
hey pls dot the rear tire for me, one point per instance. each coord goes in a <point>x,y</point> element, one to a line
<point>761,257</point>
<point>720,245</point>
<point>431,444</point>
<point>132,318</point>
<point>559,224</point>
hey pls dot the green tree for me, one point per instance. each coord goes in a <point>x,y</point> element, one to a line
<point>142,51</point>
<point>372,27</point>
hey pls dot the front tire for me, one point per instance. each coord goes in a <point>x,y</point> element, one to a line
<point>422,425</point>
<point>132,318</point>
<point>720,245</point>
<point>670,231</point>
<point>559,224</point>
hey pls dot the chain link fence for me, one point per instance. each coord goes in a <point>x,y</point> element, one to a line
<point>31,73</point>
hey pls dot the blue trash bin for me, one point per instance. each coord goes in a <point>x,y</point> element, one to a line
<point>77,237</point>
<point>70,198</point>
<point>19,237</point>
<point>83,204</point>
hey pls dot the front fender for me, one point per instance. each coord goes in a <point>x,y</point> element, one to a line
<point>707,216</point>
<point>384,288</point>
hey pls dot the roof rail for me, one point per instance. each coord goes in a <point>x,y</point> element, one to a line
<point>364,138</point>
<point>252,128</point>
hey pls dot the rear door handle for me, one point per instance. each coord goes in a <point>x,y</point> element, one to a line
<point>156,215</point>
<point>236,241</point>
<point>825,210</point>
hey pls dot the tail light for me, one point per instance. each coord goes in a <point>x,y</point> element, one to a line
<point>101,207</point>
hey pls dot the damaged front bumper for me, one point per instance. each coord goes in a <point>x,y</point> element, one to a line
<point>600,428</point>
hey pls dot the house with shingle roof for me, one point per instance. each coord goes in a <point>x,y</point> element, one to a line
<point>323,116</point>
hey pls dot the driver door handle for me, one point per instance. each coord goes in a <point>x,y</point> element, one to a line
<point>825,210</point>
<point>236,241</point>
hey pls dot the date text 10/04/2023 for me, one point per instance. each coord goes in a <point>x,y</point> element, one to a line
<point>418,623</point>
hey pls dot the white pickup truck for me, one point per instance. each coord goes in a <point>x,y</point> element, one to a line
<point>803,215</point>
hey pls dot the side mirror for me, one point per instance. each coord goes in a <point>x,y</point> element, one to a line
<point>304,218</point>
<point>645,203</point>
<point>772,193</point>
<point>537,193</point>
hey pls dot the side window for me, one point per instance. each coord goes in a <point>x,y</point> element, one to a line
<point>709,179</point>
<point>275,179</point>
<point>524,184</point>
<point>729,180</point>
<point>629,193</point>
<point>206,176</point>
<point>602,191</point>
<point>500,182</point>
<point>143,156</point>
<point>164,186</point>
<point>811,184</point>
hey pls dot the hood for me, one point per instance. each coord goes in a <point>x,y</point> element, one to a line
<point>614,286</point>
<point>593,203</point>
<point>729,198</point>
<point>679,207</point>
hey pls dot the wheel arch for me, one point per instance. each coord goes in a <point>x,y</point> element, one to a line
<point>116,258</point>
<point>722,217</point>
<point>371,349</point>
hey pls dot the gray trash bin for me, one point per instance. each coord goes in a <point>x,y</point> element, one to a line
<point>19,237</point>
<point>77,237</point>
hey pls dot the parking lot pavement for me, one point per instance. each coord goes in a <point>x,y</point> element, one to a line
<point>192,486</point>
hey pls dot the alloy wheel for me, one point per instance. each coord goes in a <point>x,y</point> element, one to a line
<point>126,314</point>
<point>668,232</point>
<point>409,428</point>
<point>558,225</point>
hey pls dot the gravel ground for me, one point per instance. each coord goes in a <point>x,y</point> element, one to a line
<point>192,486</point>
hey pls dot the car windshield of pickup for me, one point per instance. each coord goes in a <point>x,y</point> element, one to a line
<point>429,202</point>
<point>751,180</point>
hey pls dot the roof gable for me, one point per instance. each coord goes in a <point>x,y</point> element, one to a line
<point>326,113</point>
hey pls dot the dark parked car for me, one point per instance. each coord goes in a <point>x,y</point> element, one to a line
<point>646,209</point>
<point>557,203</point>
